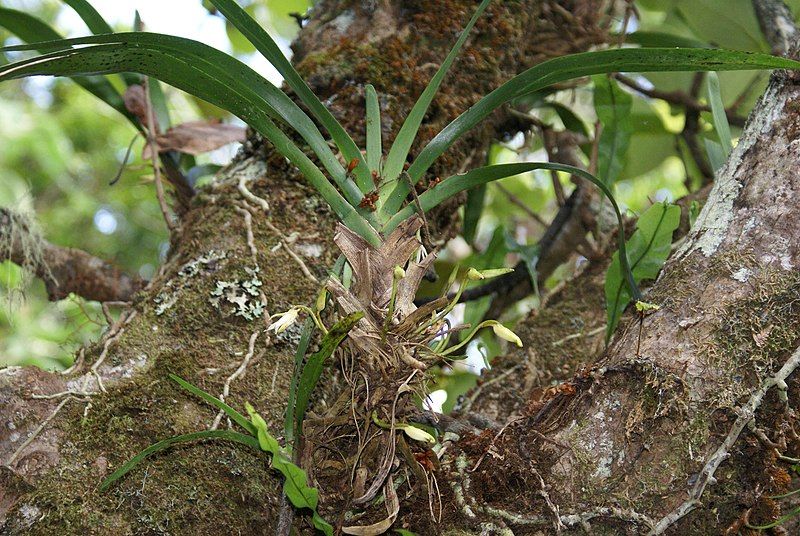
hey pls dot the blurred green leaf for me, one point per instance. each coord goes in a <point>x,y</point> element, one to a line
<point>613,108</point>
<point>648,249</point>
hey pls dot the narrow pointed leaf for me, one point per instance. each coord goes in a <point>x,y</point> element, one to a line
<point>225,435</point>
<point>291,405</point>
<point>270,50</point>
<point>408,132</point>
<point>94,21</point>
<point>575,66</point>
<point>132,51</point>
<point>716,154</point>
<point>374,142</point>
<point>473,209</point>
<point>718,113</point>
<point>98,25</point>
<point>313,367</point>
<point>235,416</point>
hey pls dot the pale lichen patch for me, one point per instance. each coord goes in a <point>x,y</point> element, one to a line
<point>243,295</point>
<point>171,292</point>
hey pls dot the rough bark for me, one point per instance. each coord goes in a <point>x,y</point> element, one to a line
<point>658,436</point>
<point>62,434</point>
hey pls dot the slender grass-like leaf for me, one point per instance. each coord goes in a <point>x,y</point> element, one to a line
<point>473,209</point>
<point>408,132</point>
<point>98,25</point>
<point>270,50</point>
<point>235,416</point>
<point>94,21</point>
<point>374,141</point>
<point>205,72</point>
<point>780,521</point>
<point>300,353</point>
<point>225,435</point>
<point>484,175</point>
<point>718,113</point>
<point>574,66</point>
<point>313,367</point>
<point>647,251</point>
<point>33,30</point>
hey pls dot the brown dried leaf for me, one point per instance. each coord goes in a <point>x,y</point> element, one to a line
<point>136,103</point>
<point>196,137</point>
<point>761,337</point>
<point>392,508</point>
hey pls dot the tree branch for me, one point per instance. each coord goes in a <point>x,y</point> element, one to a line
<point>63,270</point>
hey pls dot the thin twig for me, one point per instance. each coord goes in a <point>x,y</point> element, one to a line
<point>546,496</point>
<point>285,244</point>
<point>592,333</point>
<point>114,333</point>
<point>679,98</point>
<point>151,141</point>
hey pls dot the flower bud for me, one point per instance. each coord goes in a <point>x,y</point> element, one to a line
<point>477,275</point>
<point>399,273</point>
<point>506,334</point>
<point>418,434</point>
<point>474,275</point>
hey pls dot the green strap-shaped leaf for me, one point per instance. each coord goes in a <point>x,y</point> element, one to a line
<point>613,108</point>
<point>203,71</point>
<point>473,209</point>
<point>313,367</point>
<point>226,435</point>
<point>574,66</point>
<point>408,132</point>
<point>291,405</point>
<point>235,416</point>
<point>94,21</point>
<point>374,142</point>
<point>270,50</point>
<point>716,154</point>
<point>718,113</point>
<point>647,250</point>
<point>476,177</point>
<point>98,25</point>
<point>32,30</point>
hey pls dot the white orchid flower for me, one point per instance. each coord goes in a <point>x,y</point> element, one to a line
<point>284,320</point>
